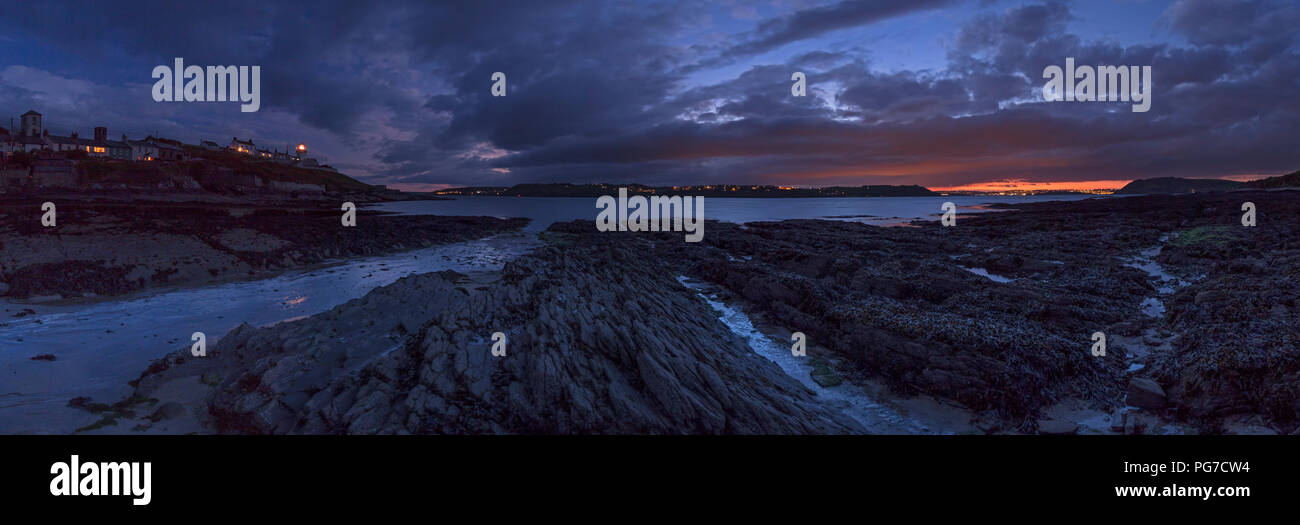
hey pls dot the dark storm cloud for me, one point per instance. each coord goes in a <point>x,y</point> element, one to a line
<point>1014,27</point>
<point>153,30</point>
<point>812,22</point>
<point>905,96</point>
<point>630,92</point>
<point>1219,110</point>
<point>584,70</point>
<point>636,127</point>
<point>309,63</point>
<point>1232,22</point>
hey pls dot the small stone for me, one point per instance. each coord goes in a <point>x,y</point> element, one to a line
<point>1139,423</point>
<point>988,422</point>
<point>824,376</point>
<point>1056,427</point>
<point>1146,393</point>
<point>168,410</point>
<point>1117,422</point>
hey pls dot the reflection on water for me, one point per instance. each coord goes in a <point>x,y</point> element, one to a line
<point>545,211</point>
<point>100,346</point>
<point>848,398</point>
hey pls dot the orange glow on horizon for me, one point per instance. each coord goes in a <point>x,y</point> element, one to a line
<point>1023,185</point>
<point>1005,185</point>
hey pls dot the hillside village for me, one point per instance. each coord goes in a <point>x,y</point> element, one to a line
<point>32,158</point>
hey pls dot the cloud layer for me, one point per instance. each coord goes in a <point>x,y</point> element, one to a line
<point>681,92</point>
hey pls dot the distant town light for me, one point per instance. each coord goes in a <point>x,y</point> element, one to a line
<point>302,147</point>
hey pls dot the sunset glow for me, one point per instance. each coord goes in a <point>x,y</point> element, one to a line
<point>1023,185</point>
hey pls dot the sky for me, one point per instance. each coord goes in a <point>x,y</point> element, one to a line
<point>941,93</point>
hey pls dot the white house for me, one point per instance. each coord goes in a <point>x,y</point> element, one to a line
<point>241,146</point>
<point>143,150</point>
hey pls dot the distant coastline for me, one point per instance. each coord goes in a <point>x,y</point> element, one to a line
<point>706,190</point>
<point>741,191</point>
<point>1140,186</point>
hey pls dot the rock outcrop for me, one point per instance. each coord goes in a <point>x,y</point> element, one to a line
<point>104,249</point>
<point>603,339</point>
<point>599,339</point>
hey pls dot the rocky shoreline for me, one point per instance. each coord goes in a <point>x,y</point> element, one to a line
<point>994,315</point>
<point>414,357</point>
<point>916,307</point>
<point>107,248</point>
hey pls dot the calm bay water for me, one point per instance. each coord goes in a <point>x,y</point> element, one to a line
<point>872,210</point>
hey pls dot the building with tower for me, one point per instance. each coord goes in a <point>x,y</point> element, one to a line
<point>31,124</point>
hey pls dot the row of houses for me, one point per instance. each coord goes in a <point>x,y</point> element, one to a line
<point>32,137</point>
<point>248,148</point>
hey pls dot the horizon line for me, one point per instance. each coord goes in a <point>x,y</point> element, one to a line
<point>988,186</point>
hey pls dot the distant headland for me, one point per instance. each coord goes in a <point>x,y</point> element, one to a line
<point>710,190</point>
<point>1182,185</point>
